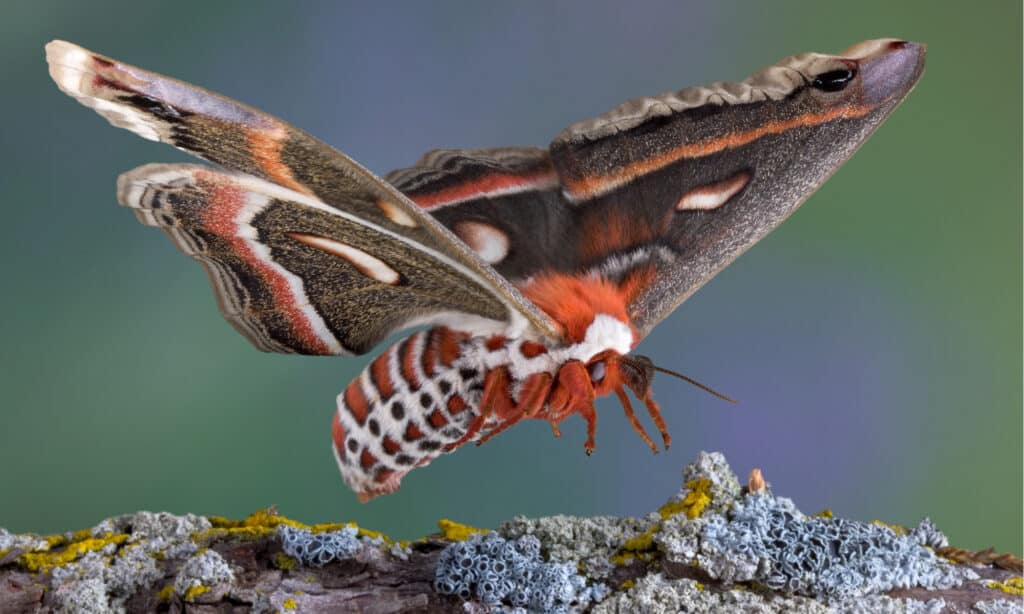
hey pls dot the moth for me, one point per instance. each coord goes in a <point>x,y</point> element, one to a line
<point>536,271</point>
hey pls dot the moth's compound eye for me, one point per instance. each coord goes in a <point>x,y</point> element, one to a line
<point>834,80</point>
<point>597,371</point>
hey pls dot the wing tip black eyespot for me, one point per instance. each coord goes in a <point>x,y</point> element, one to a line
<point>834,80</point>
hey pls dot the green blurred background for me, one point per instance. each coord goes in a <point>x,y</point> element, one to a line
<point>874,339</point>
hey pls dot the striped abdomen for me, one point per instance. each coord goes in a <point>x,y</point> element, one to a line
<point>404,408</point>
<point>439,389</point>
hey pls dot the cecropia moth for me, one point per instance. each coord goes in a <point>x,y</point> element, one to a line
<point>536,270</point>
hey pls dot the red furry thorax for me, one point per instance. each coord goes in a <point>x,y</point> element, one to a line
<point>572,302</point>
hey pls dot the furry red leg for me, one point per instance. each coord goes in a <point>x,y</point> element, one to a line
<point>496,399</point>
<point>655,410</point>
<point>531,400</point>
<point>628,408</point>
<point>576,391</point>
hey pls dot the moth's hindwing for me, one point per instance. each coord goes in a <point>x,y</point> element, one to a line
<point>505,203</point>
<point>293,274</point>
<point>248,141</point>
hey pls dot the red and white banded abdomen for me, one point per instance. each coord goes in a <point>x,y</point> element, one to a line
<point>405,407</point>
<point>422,397</point>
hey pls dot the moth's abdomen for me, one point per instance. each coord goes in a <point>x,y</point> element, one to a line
<point>404,408</point>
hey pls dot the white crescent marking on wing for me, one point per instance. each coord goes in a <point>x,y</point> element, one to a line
<point>372,267</point>
<point>713,195</point>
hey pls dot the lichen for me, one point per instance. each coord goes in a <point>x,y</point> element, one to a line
<point>195,591</point>
<point>1012,586</point>
<point>657,594</point>
<point>494,571</point>
<point>927,534</point>
<point>591,541</point>
<point>457,532</point>
<point>203,570</point>
<point>166,593</point>
<point>710,484</point>
<point>85,596</point>
<point>319,549</point>
<point>46,561</point>
<point>767,540</point>
<point>284,562</point>
<point>998,606</point>
<point>698,497</point>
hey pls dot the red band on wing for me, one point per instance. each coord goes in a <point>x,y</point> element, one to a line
<point>496,184</point>
<point>227,203</point>
<point>590,186</point>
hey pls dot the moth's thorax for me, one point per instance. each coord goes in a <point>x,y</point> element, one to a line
<point>605,334</point>
<point>574,302</point>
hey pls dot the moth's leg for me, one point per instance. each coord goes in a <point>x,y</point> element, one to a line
<point>655,410</point>
<point>587,411</point>
<point>534,392</point>
<point>496,398</point>
<point>574,394</point>
<point>628,408</point>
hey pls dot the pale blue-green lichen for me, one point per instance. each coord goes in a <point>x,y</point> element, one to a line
<point>767,540</point>
<point>499,572</point>
<point>656,594</point>
<point>319,549</point>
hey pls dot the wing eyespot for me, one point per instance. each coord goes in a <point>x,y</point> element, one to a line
<point>489,242</point>
<point>834,80</point>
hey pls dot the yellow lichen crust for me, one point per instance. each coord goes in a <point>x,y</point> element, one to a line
<point>289,604</point>
<point>45,560</point>
<point>283,561</point>
<point>1012,586</point>
<point>825,513</point>
<point>195,591</point>
<point>166,593</point>
<point>264,523</point>
<point>457,532</point>
<point>671,509</point>
<point>642,542</point>
<point>641,546</point>
<point>897,529</point>
<point>698,498</point>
